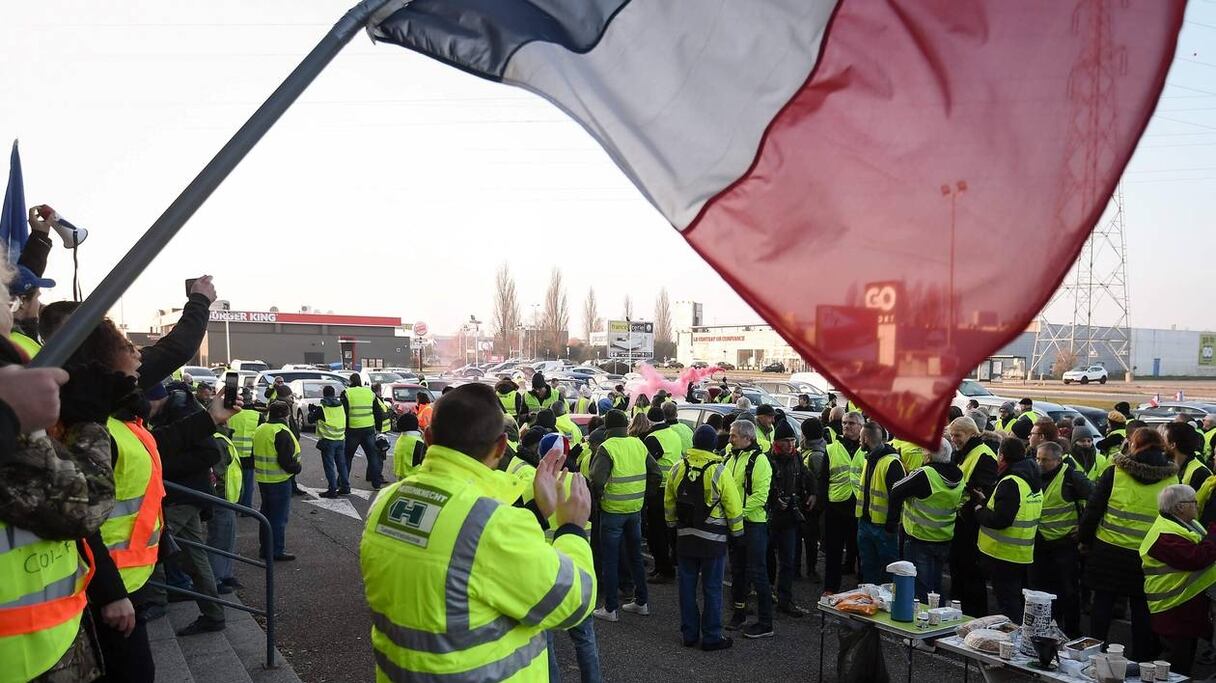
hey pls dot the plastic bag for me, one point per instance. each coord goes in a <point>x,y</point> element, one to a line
<point>860,659</point>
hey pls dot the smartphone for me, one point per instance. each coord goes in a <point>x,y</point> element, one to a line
<point>231,388</point>
<point>190,285</point>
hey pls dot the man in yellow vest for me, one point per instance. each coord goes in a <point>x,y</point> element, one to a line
<point>1006,417</point>
<point>331,440</point>
<point>1209,435</point>
<point>1008,524</point>
<point>1056,562</point>
<point>928,500</point>
<point>752,473</point>
<point>665,446</point>
<point>1116,433</point>
<point>1177,558</point>
<point>979,466</point>
<point>276,457</point>
<point>766,415</point>
<point>243,424</point>
<point>622,474</point>
<point>877,545</point>
<point>840,513</point>
<point>363,415</point>
<point>436,546</point>
<point>510,397</point>
<point>410,448</point>
<point>25,291</point>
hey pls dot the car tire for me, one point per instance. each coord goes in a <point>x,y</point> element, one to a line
<point>1068,381</point>
<point>1102,380</point>
<point>1085,380</point>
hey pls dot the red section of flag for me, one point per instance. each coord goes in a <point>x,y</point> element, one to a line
<point>920,198</point>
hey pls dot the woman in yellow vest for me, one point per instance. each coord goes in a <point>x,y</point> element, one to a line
<point>1179,561</point>
<point>1117,517</point>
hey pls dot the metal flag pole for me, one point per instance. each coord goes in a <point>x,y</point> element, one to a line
<point>81,323</point>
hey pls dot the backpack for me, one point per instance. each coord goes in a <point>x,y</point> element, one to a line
<point>691,508</point>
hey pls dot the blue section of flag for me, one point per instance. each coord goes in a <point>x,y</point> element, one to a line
<point>13,226</point>
<point>479,36</point>
<point>14,230</point>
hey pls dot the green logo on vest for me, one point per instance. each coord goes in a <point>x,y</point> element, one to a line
<point>410,515</point>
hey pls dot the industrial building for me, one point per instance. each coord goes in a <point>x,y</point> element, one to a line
<point>1154,352</point>
<point>307,337</point>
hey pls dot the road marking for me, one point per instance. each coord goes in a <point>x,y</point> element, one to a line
<point>341,506</point>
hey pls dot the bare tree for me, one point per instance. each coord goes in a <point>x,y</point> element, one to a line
<point>506,309</point>
<point>662,317</point>
<point>591,315</point>
<point>555,321</point>
<point>628,308</point>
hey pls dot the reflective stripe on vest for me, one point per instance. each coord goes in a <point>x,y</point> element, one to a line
<point>1060,517</point>
<point>508,402</point>
<point>386,423</point>
<point>840,473</point>
<point>1164,586</point>
<point>29,346</point>
<point>42,597</point>
<point>131,532</point>
<point>932,518</point>
<point>1131,510</point>
<point>266,467</point>
<point>359,400</point>
<point>243,425</point>
<point>1192,466</point>
<point>403,455</point>
<point>973,458</point>
<point>708,538</point>
<point>456,650</point>
<point>878,488</point>
<point>332,425</point>
<point>1015,543</point>
<point>626,486</point>
<point>232,473</point>
<point>673,447</point>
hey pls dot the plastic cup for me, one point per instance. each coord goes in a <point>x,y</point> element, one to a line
<point>1006,650</point>
<point>1163,671</point>
<point>1148,671</point>
<point>934,600</point>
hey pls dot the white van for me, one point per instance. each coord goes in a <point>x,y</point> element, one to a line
<point>251,365</point>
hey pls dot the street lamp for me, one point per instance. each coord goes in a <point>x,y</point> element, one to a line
<point>476,335</point>
<point>953,193</point>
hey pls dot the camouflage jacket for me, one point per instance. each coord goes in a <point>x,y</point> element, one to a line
<point>58,490</point>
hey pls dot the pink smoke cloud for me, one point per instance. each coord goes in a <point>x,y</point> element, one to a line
<point>652,381</point>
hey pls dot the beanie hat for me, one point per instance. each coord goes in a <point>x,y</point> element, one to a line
<point>765,409</point>
<point>746,417</point>
<point>979,417</point>
<point>408,422</point>
<point>616,419</point>
<point>538,380</point>
<point>784,431</point>
<point>655,414</point>
<point>812,429</point>
<point>1116,416</point>
<point>546,418</point>
<point>278,409</point>
<point>1007,406</point>
<point>1082,432</point>
<point>156,392</point>
<point>1026,402</point>
<point>1124,407</point>
<point>604,405</point>
<point>705,438</point>
<point>1021,429</point>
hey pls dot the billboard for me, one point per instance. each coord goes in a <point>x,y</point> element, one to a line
<point>1207,349</point>
<point>630,339</point>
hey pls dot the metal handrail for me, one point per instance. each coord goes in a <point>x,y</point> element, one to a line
<point>266,563</point>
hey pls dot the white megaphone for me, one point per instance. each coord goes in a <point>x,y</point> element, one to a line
<point>71,235</point>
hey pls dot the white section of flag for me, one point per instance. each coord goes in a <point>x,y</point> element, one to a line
<point>680,92</point>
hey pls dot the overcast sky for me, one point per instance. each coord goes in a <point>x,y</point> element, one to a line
<point>396,186</point>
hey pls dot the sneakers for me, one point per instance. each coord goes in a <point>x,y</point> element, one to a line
<point>602,613</point>
<point>723,644</point>
<point>736,621</point>
<point>758,630</point>
<point>635,608</point>
<point>345,491</point>
<point>791,610</point>
<point>328,494</point>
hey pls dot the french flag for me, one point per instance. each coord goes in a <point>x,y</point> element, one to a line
<point>898,186</point>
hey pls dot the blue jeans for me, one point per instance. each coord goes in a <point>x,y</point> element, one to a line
<point>877,548</point>
<point>247,482</point>
<point>583,637</point>
<point>749,568</point>
<point>365,437</point>
<point>221,533</point>
<point>276,506</point>
<point>930,560</point>
<point>333,459</point>
<point>785,543</point>
<point>614,527</point>
<point>696,625</point>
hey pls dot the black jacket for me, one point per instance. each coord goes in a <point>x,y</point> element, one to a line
<point>895,472</point>
<point>187,453</point>
<point>916,485</point>
<point>790,490</point>
<point>176,348</point>
<point>1006,500</point>
<point>1109,567</point>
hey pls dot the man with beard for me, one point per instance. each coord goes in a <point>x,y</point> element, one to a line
<point>979,466</point>
<point>880,471</point>
<point>1065,490</point>
<point>1084,455</point>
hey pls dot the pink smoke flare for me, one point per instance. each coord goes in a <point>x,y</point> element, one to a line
<point>652,381</point>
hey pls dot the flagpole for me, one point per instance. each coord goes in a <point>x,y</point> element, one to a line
<point>78,326</point>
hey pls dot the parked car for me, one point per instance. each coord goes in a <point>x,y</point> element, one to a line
<point>616,367</point>
<point>252,365</point>
<point>814,379</point>
<point>725,366</point>
<point>467,372</point>
<point>970,389</point>
<point>775,366</point>
<point>376,376</point>
<point>1165,411</point>
<point>202,375</point>
<point>404,396</point>
<point>1085,375</point>
<point>673,364</point>
<point>1096,416</point>
<point>1057,412</point>
<point>309,392</point>
<point>265,379</point>
<point>695,414</point>
<point>699,364</point>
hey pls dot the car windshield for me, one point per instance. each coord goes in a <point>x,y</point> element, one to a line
<point>199,372</point>
<point>1080,368</point>
<point>969,388</point>
<point>383,377</point>
<point>314,389</point>
<point>406,394</point>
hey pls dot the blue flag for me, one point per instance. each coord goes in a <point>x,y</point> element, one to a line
<point>14,231</point>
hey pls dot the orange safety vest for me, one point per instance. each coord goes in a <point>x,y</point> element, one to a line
<point>142,549</point>
<point>16,621</point>
<point>424,416</point>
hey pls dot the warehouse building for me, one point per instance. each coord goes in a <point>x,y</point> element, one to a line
<point>306,337</point>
